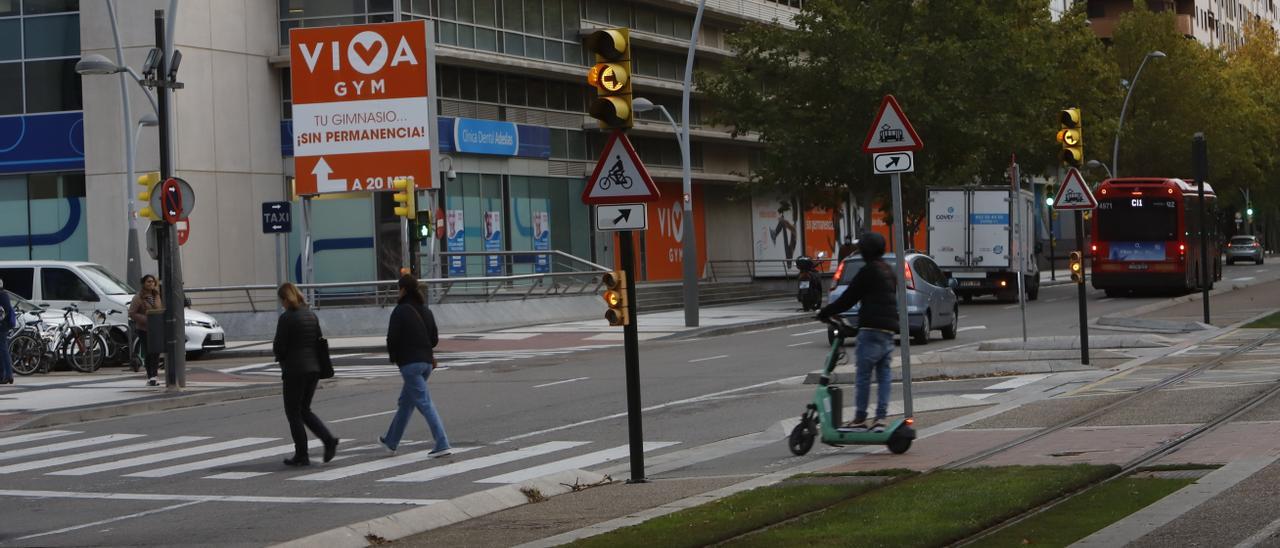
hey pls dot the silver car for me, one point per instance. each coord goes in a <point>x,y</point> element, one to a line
<point>1244,248</point>
<point>931,299</point>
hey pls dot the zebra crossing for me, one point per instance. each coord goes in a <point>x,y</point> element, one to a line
<point>129,455</point>
<point>447,360</point>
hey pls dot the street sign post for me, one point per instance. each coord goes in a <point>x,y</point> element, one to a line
<point>1074,195</point>
<point>1015,184</point>
<point>277,218</point>
<point>892,133</point>
<point>618,182</point>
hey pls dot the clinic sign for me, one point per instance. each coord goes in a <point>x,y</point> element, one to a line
<point>485,137</point>
<point>360,106</point>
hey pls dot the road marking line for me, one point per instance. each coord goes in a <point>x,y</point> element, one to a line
<point>1103,300</point>
<point>209,498</point>
<point>963,316</point>
<point>1244,279</point>
<point>798,344</point>
<point>1011,306</point>
<point>485,462</point>
<point>236,475</point>
<point>240,368</point>
<point>54,447</point>
<point>583,461</point>
<point>115,519</point>
<point>36,436</point>
<point>970,328</point>
<point>696,399</point>
<point>378,414</point>
<point>562,382</point>
<point>151,459</point>
<point>1022,380</point>
<point>373,466</point>
<point>809,332</point>
<point>49,463</point>
<point>721,356</point>
<point>1059,299</point>
<point>1262,535</point>
<point>977,396</point>
<point>219,461</point>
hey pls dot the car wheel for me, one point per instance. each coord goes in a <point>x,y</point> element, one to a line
<point>949,332</point>
<point>921,337</point>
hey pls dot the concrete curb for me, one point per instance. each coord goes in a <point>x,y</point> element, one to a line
<point>425,518</point>
<point>1147,309</point>
<point>960,371</point>
<point>719,330</point>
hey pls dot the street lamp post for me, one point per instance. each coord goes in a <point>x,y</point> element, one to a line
<point>689,233</point>
<point>1096,164</point>
<point>1115,150</point>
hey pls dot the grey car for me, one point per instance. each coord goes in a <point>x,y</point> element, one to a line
<point>1244,248</point>
<point>931,299</point>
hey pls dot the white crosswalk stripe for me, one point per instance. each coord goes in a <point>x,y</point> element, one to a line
<point>24,438</point>
<point>374,465</point>
<point>447,360</point>
<point>219,461</point>
<point>63,446</point>
<point>92,455</point>
<point>158,457</point>
<point>485,462</point>
<point>584,461</point>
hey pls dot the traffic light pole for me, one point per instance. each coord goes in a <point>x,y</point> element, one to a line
<point>904,324</point>
<point>631,350</point>
<point>167,234</point>
<point>1084,305</point>
<point>1200,158</point>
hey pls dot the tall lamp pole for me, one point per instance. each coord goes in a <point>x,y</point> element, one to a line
<point>1115,150</point>
<point>689,233</point>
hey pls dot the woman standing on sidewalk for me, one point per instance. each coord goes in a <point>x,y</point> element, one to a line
<point>295,345</point>
<point>410,338</point>
<point>147,299</point>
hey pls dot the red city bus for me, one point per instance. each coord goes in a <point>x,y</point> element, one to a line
<point>1146,234</point>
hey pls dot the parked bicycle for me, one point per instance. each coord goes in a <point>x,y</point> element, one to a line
<point>28,349</point>
<point>114,337</point>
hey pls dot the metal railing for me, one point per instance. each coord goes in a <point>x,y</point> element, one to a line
<point>737,269</point>
<point>570,275</point>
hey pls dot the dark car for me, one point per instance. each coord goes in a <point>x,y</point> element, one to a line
<point>931,299</point>
<point>1244,248</point>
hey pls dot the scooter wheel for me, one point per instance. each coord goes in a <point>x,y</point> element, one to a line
<point>899,445</point>
<point>801,439</point>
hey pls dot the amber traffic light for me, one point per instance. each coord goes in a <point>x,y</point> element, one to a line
<point>1077,267</point>
<point>1071,137</point>
<point>615,296</point>
<point>148,181</point>
<point>611,76</point>
<point>404,197</point>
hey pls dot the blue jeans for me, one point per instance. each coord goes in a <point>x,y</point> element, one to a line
<point>6,363</point>
<point>414,394</point>
<point>874,352</point>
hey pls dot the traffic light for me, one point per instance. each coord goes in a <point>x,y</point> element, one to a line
<point>611,76</point>
<point>424,226</point>
<point>1249,212</point>
<point>1071,137</point>
<point>1077,267</point>
<point>148,182</point>
<point>615,295</point>
<point>1049,193</point>
<point>404,197</point>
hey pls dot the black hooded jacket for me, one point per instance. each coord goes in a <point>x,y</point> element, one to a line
<point>874,286</point>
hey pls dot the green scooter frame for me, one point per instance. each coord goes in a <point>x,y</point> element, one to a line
<point>822,417</point>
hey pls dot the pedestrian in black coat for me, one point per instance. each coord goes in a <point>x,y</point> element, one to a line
<point>295,348</point>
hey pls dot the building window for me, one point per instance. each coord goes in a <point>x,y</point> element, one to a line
<point>39,46</point>
<point>537,29</point>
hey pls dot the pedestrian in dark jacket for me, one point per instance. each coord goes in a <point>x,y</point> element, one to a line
<point>147,299</point>
<point>410,337</point>
<point>7,322</point>
<point>875,286</point>
<point>295,347</point>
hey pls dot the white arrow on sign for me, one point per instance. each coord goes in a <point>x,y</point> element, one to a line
<point>323,182</point>
<point>894,162</point>
<point>621,217</point>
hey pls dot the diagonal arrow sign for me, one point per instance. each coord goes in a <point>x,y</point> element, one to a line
<point>623,216</point>
<point>894,162</point>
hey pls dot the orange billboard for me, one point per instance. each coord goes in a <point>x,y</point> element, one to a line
<point>360,106</point>
<point>879,226</point>
<point>663,241</point>
<point>820,234</point>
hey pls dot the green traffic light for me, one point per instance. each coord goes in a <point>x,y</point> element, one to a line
<point>1249,211</point>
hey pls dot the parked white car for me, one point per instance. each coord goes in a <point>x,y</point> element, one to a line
<point>92,287</point>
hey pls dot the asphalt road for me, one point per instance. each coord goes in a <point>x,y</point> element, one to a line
<point>212,475</point>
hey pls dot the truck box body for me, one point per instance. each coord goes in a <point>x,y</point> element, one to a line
<point>974,237</point>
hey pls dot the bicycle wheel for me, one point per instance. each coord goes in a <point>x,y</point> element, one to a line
<point>26,352</point>
<point>605,183</point>
<point>82,350</point>
<point>626,182</point>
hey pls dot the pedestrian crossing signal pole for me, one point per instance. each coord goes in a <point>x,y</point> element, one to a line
<point>631,352</point>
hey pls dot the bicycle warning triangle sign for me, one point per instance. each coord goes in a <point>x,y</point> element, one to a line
<point>619,177</point>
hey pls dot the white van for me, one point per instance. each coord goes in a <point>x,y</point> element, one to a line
<point>92,287</point>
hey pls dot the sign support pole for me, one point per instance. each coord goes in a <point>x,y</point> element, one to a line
<point>631,349</point>
<point>1200,157</point>
<point>281,267</point>
<point>1084,313</point>
<point>1016,202</point>
<point>904,325</point>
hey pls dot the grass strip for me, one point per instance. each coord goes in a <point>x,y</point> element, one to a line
<point>1269,322</point>
<point>728,517</point>
<point>1089,512</point>
<point>935,509</point>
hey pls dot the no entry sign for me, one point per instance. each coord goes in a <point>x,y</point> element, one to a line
<point>360,106</point>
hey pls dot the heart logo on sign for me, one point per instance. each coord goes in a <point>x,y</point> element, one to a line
<point>365,43</point>
<point>677,222</point>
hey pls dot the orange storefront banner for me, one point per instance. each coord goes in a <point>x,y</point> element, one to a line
<point>360,106</point>
<point>663,242</point>
<point>879,226</point>
<point>819,234</point>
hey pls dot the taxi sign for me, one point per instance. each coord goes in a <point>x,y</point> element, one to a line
<point>891,132</point>
<point>1074,193</point>
<point>619,177</point>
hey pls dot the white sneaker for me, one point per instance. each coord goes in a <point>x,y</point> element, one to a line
<point>440,453</point>
<point>386,447</point>
<point>153,382</point>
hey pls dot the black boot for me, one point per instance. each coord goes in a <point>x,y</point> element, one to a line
<point>298,460</point>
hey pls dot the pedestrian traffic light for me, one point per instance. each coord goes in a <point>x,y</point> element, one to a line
<point>1077,267</point>
<point>424,226</point>
<point>1249,212</point>
<point>611,76</point>
<point>1049,193</point>
<point>1071,137</point>
<point>148,182</point>
<point>615,295</point>
<point>404,197</point>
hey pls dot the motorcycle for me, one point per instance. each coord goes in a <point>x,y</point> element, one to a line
<point>810,291</point>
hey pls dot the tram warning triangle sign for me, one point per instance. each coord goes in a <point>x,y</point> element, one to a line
<point>619,177</point>
<point>1074,193</point>
<point>891,132</point>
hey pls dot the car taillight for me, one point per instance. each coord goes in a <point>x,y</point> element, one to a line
<point>1182,249</point>
<point>911,280</point>
<point>836,277</point>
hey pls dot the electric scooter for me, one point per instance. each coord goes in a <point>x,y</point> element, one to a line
<point>821,419</point>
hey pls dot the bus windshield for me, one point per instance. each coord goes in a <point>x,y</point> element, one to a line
<point>1137,220</point>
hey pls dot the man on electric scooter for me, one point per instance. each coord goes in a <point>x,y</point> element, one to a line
<point>875,287</point>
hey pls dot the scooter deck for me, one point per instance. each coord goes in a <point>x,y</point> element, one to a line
<point>841,436</point>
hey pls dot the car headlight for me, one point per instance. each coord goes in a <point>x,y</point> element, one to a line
<point>197,323</point>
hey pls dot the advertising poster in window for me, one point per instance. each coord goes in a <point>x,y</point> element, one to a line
<point>541,241</point>
<point>880,225</point>
<point>663,241</point>
<point>820,236</point>
<point>493,242</point>
<point>775,237</point>
<point>457,242</point>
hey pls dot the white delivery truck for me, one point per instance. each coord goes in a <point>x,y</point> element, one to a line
<point>975,237</point>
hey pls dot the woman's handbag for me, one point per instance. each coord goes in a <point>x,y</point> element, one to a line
<point>322,356</point>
